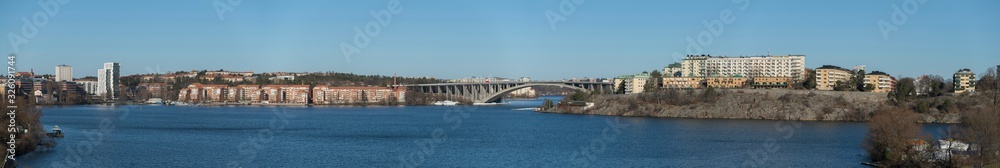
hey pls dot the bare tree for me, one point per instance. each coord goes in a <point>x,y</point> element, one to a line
<point>981,126</point>
<point>27,129</point>
<point>892,136</point>
<point>989,86</point>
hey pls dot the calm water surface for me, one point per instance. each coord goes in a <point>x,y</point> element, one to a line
<point>431,136</point>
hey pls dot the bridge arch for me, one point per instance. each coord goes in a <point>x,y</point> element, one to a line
<point>490,92</point>
<point>494,96</point>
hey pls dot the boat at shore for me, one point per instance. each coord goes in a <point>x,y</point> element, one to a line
<point>445,103</point>
<point>154,101</point>
<point>56,132</point>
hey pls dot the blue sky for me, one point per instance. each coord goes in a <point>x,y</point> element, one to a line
<point>504,38</point>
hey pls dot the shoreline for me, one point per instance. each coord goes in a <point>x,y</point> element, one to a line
<point>750,119</point>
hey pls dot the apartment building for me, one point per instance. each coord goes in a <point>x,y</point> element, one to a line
<point>633,83</point>
<point>965,81</point>
<point>827,76</point>
<point>673,70</point>
<point>249,94</point>
<point>746,66</point>
<point>227,78</point>
<point>204,93</point>
<point>772,82</point>
<point>726,82</point>
<point>682,82</point>
<point>355,95</point>
<point>880,81</point>
<point>154,90</point>
<point>159,78</point>
<point>88,85</point>
<point>190,94</point>
<point>229,73</point>
<point>216,93</point>
<point>289,94</point>
<point>64,73</point>
<point>108,79</point>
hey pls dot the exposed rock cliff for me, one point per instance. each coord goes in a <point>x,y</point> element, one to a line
<point>747,104</point>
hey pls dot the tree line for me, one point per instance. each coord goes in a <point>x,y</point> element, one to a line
<point>896,138</point>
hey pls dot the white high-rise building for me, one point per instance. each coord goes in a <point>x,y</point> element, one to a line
<point>108,80</point>
<point>746,66</point>
<point>88,86</point>
<point>64,73</point>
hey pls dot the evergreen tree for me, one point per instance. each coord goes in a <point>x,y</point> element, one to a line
<point>810,82</point>
<point>547,104</point>
<point>621,87</point>
<point>364,97</point>
<point>859,81</point>
<point>657,80</point>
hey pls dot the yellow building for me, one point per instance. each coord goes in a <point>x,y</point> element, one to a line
<point>772,82</point>
<point>681,82</point>
<point>965,81</point>
<point>633,83</point>
<point>828,75</point>
<point>880,81</point>
<point>726,82</point>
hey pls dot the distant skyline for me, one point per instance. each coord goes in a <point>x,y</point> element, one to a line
<point>455,39</point>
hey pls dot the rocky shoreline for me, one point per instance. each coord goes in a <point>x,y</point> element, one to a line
<point>798,105</point>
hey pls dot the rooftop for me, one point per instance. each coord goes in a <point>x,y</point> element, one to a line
<point>878,73</point>
<point>965,71</point>
<point>742,56</point>
<point>833,67</point>
<point>674,65</point>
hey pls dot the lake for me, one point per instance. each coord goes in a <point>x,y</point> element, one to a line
<point>431,136</point>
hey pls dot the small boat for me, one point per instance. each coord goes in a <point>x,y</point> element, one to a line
<point>872,164</point>
<point>177,103</point>
<point>445,103</point>
<point>56,132</point>
<point>154,101</point>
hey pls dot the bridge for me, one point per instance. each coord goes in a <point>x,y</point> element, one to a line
<point>493,91</point>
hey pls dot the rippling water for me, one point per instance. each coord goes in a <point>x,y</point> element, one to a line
<point>431,136</point>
